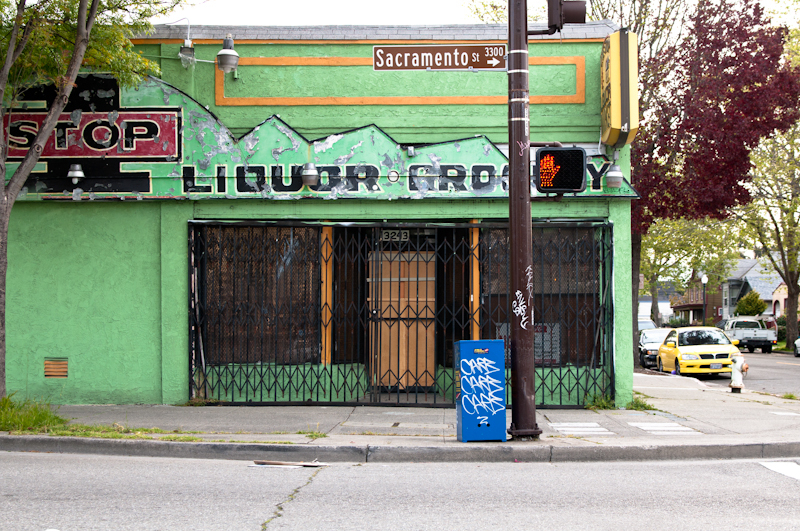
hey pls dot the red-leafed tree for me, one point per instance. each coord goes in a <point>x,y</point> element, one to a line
<point>728,86</point>
<point>721,89</point>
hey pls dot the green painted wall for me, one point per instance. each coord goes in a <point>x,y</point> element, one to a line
<point>105,286</point>
<point>406,124</point>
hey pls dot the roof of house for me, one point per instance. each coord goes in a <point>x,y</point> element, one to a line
<point>742,267</point>
<point>758,274</point>
<point>455,32</point>
<point>764,281</point>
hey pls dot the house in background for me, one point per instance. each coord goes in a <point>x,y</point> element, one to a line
<point>690,306</point>
<point>749,275</point>
<point>779,300</point>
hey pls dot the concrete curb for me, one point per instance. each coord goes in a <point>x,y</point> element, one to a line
<point>534,453</point>
<point>192,450</point>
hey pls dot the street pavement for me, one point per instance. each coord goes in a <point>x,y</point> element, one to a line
<point>693,419</point>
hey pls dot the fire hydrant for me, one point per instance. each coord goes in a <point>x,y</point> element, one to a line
<point>738,369</point>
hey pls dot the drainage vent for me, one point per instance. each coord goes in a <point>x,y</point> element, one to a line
<point>55,368</point>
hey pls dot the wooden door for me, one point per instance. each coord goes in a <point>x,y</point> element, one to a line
<point>403,303</point>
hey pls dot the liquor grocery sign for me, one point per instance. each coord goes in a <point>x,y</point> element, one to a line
<point>440,57</point>
<point>154,142</point>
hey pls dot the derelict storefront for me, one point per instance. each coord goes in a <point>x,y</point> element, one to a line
<point>190,260</point>
<point>289,312</point>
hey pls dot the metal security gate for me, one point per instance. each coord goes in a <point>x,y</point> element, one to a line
<point>368,313</point>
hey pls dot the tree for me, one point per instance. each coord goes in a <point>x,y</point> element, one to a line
<point>772,220</point>
<point>712,84</point>
<point>496,11</point>
<point>750,304</point>
<point>48,42</point>
<point>720,89</point>
<point>674,248</point>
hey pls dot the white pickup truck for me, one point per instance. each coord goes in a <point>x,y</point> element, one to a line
<point>751,333</point>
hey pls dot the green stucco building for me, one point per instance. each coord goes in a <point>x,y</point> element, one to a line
<point>191,259</point>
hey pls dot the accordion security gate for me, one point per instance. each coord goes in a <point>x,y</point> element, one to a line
<point>368,313</point>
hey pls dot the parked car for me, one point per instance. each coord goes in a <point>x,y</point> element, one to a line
<point>646,324</point>
<point>649,341</point>
<point>752,333</point>
<point>797,348</point>
<point>697,350</point>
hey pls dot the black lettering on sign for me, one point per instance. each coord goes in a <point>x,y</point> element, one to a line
<point>134,130</point>
<point>329,177</point>
<point>110,138</point>
<point>190,184</point>
<point>22,134</point>
<point>222,172</point>
<point>483,176</point>
<point>454,174</point>
<point>365,174</point>
<point>62,134</point>
<point>251,179</point>
<point>279,182</point>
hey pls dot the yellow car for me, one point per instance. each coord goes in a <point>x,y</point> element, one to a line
<point>696,350</point>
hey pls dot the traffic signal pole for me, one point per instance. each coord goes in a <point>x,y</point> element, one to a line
<point>523,384</point>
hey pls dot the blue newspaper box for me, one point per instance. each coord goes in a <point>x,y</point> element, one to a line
<point>481,390</point>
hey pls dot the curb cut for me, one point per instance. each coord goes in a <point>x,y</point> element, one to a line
<point>395,454</point>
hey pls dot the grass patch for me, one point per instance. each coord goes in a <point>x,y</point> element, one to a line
<point>115,431</point>
<point>250,442</point>
<point>27,415</point>
<point>312,434</point>
<point>639,404</point>
<point>789,396</point>
<point>600,402</point>
<point>180,438</point>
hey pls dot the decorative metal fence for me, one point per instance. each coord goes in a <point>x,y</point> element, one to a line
<point>368,313</point>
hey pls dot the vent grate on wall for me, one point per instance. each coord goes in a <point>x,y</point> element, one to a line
<point>55,368</point>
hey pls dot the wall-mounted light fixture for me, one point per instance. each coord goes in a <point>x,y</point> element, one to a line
<point>614,176</point>
<point>75,173</point>
<point>310,174</point>
<point>227,58</point>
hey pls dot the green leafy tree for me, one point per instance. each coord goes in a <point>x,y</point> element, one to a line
<point>496,11</point>
<point>49,42</point>
<point>772,219</point>
<point>750,304</point>
<point>672,249</point>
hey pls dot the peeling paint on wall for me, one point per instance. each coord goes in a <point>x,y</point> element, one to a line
<point>204,160</point>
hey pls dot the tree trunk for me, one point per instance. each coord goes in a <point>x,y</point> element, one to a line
<point>791,316</point>
<point>655,314</point>
<point>5,213</point>
<point>636,256</point>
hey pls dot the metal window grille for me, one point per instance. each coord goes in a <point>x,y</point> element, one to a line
<point>300,313</point>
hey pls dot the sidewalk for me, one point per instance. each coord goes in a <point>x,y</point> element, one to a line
<point>695,420</point>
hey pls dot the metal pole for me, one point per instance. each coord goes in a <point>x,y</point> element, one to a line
<point>704,304</point>
<point>523,384</point>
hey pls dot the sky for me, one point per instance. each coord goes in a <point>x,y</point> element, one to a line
<point>337,12</point>
<point>322,12</point>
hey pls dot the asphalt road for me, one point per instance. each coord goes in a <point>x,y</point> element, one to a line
<point>83,492</point>
<point>774,373</point>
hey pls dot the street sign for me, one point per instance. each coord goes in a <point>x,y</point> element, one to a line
<point>440,57</point>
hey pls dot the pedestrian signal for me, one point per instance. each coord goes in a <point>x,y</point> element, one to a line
<point>560,170</point>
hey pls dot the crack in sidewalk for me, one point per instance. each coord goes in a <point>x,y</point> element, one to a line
<point>279,507</point>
